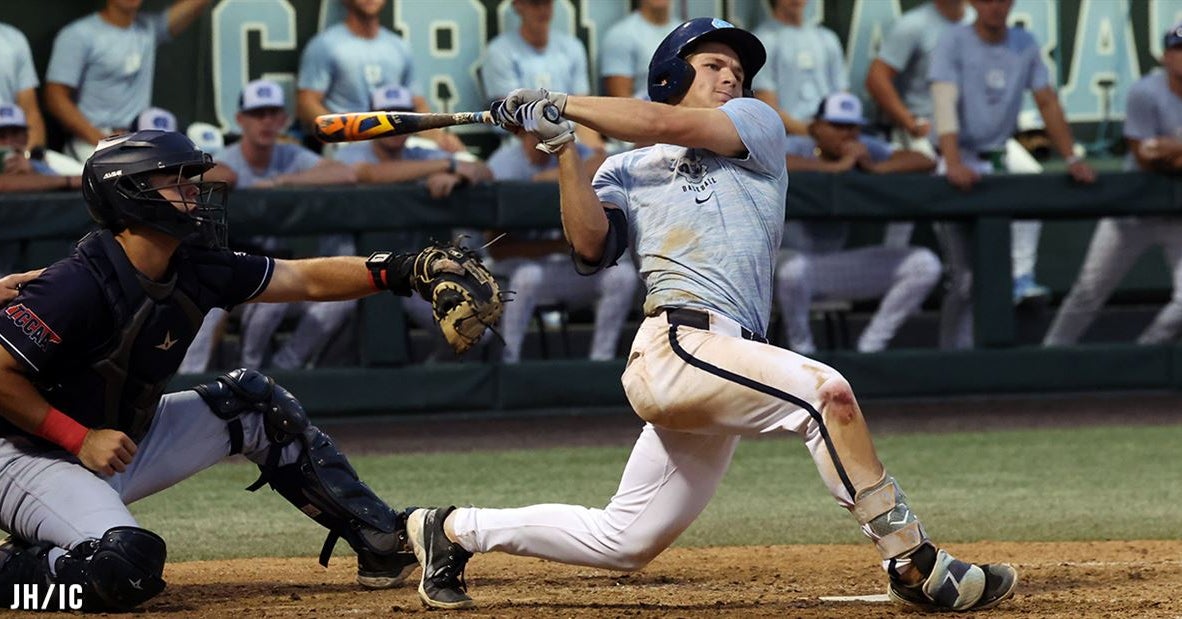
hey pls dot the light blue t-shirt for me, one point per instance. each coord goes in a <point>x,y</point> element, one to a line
<point>362,152</point>
<point>346,67</point>
<point>510,62</point>
<point>1152,110</point>
<point>16,64</point>
<point>824,236</point>
<point>705,229</point>
<point>991,80</point>
<point>628,47</point>
<point>285,159</point>
<point>804,65</point>
<point>908,49</point>
<point>509,162</point>
<point>111,68</point>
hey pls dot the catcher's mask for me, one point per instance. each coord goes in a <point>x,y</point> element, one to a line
<point>118,188</point>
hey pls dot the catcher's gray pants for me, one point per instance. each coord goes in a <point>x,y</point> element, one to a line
<point>1115,246</point>
<point>901,276</point>
<point>553,279</point>
<point>46,495</point>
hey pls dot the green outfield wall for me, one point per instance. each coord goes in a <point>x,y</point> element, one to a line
<point>44,225</point>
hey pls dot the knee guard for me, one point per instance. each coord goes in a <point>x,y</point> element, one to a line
<point>886,519</point>
<point>321,482</point>
<point>117,572</point>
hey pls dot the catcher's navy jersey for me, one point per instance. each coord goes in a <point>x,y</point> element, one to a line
<point>64,322</point>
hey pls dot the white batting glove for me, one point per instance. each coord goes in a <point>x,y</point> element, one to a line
<point>543,120</point>
<point>501,116</point>
<point>522,96</point>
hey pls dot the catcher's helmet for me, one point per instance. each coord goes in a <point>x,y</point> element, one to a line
<point>669,75</point>
<point>118,192</point>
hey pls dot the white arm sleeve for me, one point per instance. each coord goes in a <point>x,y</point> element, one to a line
<point>944,96</point>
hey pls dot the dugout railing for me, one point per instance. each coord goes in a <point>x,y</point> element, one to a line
<point>39,227</point>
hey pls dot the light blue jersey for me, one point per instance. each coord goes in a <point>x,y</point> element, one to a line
<point>627,48</point>
<point>16,64</point>
<point>111,68</point>
<point>362,152</point>
<point>1152,111</point>
<point>804,65</point>
<point>509,163</point>
<point>346,67</point>
<point>991,80</point>
<point>824,236</point>
<point>908,50</point>
<point>510,62</point>
<point>704,229</point>
<point>285,159</point>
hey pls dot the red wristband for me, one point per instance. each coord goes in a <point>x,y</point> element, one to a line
<point>61,429</point>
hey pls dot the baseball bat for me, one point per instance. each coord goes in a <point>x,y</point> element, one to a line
<point>357,126</point>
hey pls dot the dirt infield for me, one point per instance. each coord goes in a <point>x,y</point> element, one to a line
<point>1096,579</point>
<point>1077,579</point>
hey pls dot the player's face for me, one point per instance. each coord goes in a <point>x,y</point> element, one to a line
<point>534,13</point>
<point>263,126</point>
<point>793,7</point>
<point>181,192</point>
<point>655,5</point>
<point>718,76</point>
<point>125,5</point>
<point>1171,61</point>
<point>993,13</point>
<point>14,138</point>
<point>832,137</point>
<point>366,8</point>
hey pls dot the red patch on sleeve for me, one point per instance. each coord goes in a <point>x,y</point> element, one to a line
<point>33,327</point>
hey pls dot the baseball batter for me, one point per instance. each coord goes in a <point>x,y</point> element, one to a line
<point>87,348</point>
<point>703,212</point>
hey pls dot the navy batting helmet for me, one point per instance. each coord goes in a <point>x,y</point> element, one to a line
<point>669,75</point>
<point>119,192</point>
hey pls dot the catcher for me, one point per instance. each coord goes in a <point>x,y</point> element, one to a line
<point>88,345</point>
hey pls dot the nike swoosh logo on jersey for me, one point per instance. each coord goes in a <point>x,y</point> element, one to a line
<point>704,200</point>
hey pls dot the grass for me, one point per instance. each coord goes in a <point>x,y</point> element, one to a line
<point>1047,484</point>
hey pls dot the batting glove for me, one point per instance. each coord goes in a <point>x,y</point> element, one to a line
<point>522,96</point>
<point>502,117</point>
<point>543,120</point>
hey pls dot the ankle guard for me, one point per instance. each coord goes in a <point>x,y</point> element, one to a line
<point>886,519</point>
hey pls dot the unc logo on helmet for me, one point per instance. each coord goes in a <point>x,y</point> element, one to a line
<point>669,75</point>
<point>120,191</point>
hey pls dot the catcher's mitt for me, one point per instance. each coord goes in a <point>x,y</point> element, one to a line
<point>464,295</point>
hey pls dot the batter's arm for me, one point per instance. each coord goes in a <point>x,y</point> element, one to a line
<point>583,220</point>
<point>646,122</point>
<point>103,451</point>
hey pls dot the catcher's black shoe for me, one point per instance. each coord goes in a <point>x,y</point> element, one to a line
<point>954,585</point>
<point>376,571</point>
<point>443,561</point>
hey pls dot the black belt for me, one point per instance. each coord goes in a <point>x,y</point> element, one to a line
<point>698,319</point>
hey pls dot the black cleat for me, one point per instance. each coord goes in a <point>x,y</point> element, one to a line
<point>443,560</point>
<point>376,571</point>
<point>954,585</point>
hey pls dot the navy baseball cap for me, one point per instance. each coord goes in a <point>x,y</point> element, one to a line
<point>1173,38</point>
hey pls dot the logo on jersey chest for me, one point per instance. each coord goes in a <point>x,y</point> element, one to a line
<point>32,326</point>
<point>694,171</point>
<point>168,341</point>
